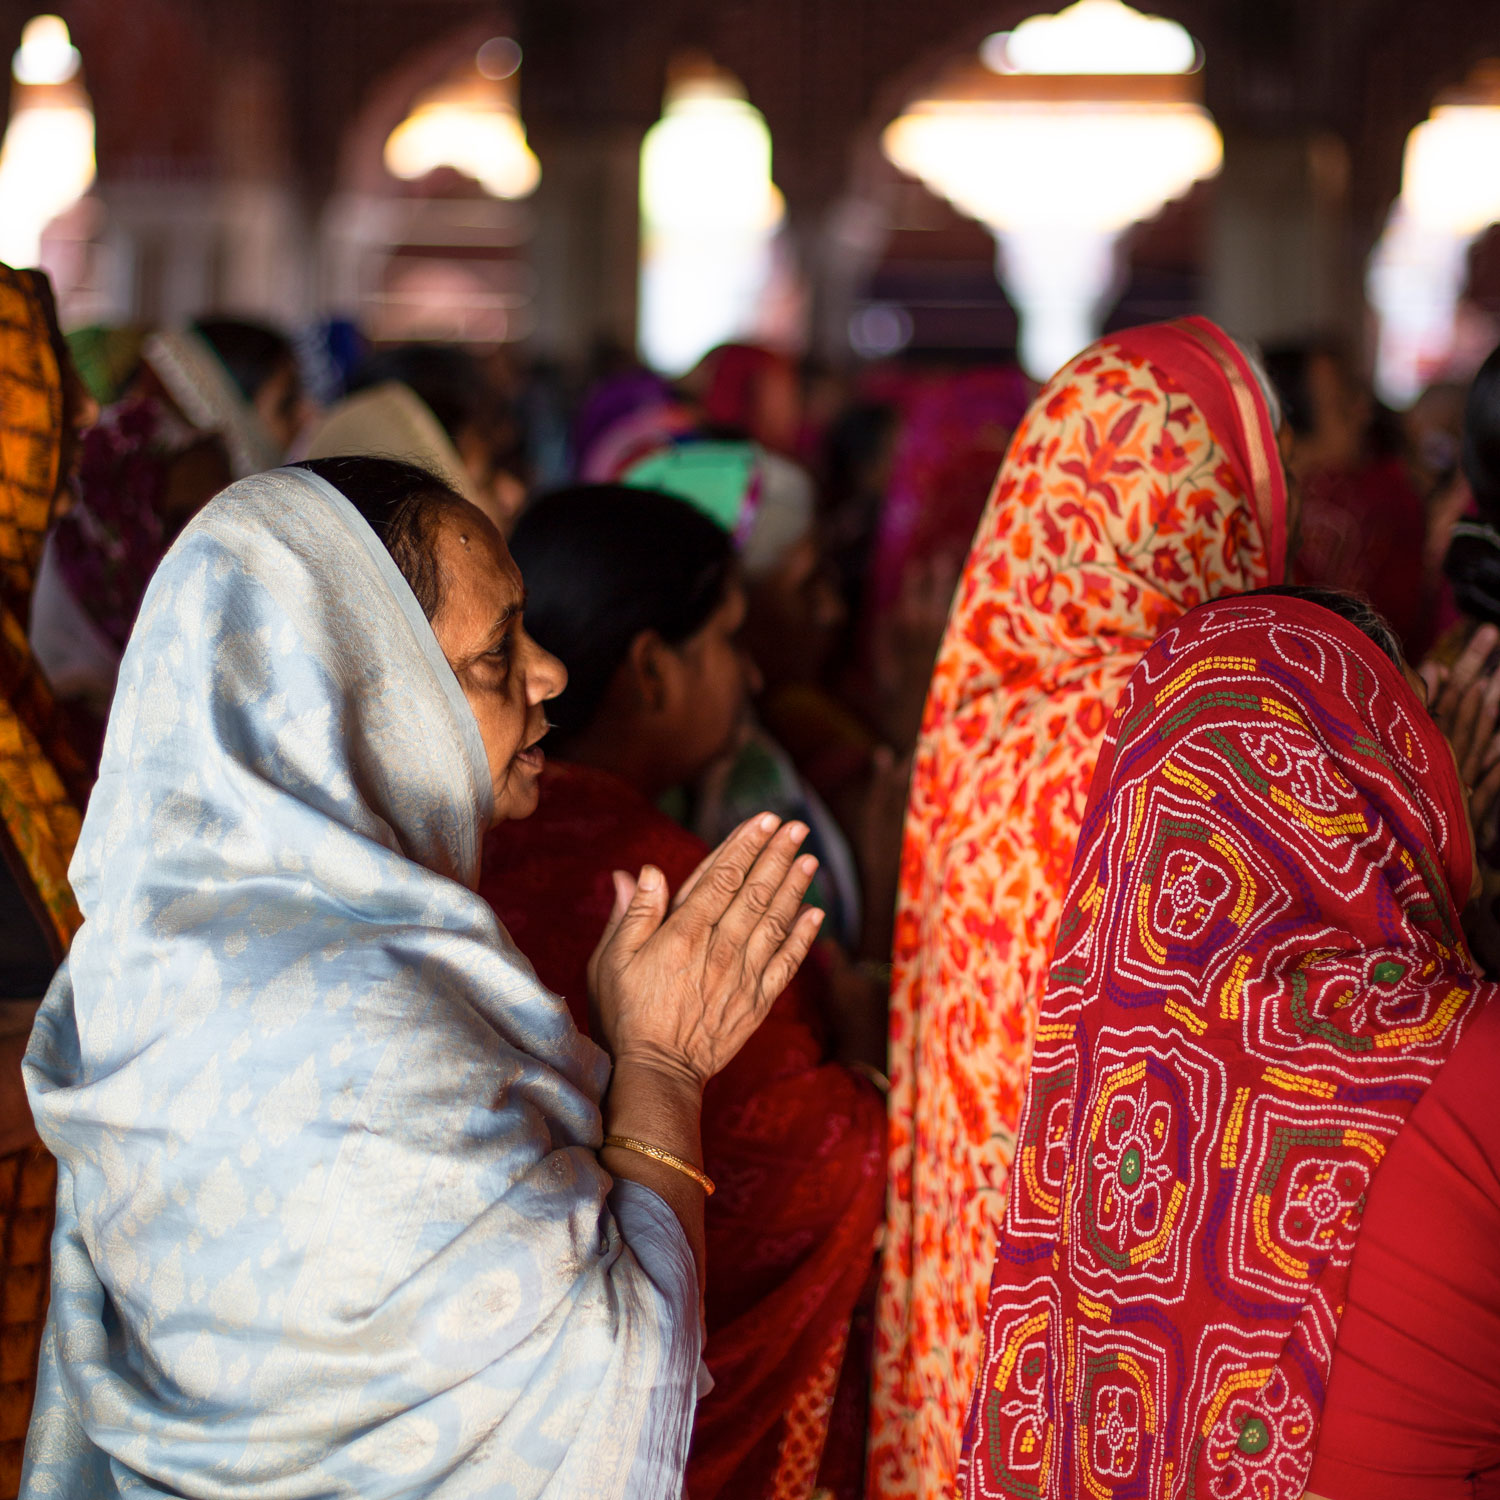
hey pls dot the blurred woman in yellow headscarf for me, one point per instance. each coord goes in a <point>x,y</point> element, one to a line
<point>43,783</point>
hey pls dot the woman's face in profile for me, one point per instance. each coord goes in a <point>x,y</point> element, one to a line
<point>706,705</point>
<point>505,675</point>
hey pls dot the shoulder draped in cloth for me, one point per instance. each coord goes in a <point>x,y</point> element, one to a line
<point>1143,480</point>
<point>330,1218</point>
<point>1259,970</point>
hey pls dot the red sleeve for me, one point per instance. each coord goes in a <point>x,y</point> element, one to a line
<point>1413,1408</point>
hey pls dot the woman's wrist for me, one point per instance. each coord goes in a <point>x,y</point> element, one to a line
<point>655,1102</point>
<point>661,1107</point>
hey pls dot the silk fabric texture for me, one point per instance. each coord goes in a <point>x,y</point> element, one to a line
<point>1143,480</point>
<point>330,1218</point>
<point>794,1140</point>
<point>1258,972</point>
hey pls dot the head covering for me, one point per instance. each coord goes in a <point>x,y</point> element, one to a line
<point>42,779</point>
<point>737,386</point>
<point>391,421</point>
<point>1143,480</point>
<point>954,432</point>
<point>106,358</point>
<point>764,500</point>
<point>329,1213</point>
<point>623,419</point>
<point>110,540</point>
<point>1259,970</point>
<point>205,392</point>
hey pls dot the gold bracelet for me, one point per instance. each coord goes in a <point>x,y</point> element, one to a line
<point>629,1143</point>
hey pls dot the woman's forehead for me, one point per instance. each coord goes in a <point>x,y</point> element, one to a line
<point>476,568</point>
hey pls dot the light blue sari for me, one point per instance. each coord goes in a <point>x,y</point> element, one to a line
<point>330,1221</point>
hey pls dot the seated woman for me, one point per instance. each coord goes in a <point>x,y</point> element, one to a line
<point>639,595</point>
<point>767,503</point>
<point>1258,974</point>
<point>346,1204</point>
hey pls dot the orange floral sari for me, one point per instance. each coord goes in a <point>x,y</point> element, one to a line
<point>1143,480</point>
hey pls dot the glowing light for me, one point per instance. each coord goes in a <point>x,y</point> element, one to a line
<point>47,159</point>
<point>46,53</point>
<point>473,127</point>
<point>1016,166</point>
<point>1450,179</point>
<point>709,212</point>
<point>1100,36</point>
<point>1450,194</point>
<point>1057,158</point>
<point>498,58</point>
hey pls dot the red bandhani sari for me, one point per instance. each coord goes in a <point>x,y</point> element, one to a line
<point>794,1142</point>
<point>1259,971</point>
<point>1143,480</point>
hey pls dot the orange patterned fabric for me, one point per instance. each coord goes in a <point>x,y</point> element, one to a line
<point>1143,480</point>
<point>40,775</point>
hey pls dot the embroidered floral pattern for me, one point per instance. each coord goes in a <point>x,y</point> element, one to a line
<point>1118,507</point>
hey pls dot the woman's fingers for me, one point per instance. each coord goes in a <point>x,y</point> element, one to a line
<point>761,885</point>
<point>772,930</point>
<point>728,868</point>
<point>624,894</point>
<point>641,918</point>
<point>1467,668</point>
<point>788,959</point>
<point>1482,803</point>
<point>690,884</point>
<point>1434,676</point>
<point>1484,728</point>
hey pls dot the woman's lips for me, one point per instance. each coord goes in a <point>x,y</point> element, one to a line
<point>533,758</point>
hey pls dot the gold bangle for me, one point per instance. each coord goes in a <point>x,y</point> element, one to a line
<point>629,1143</point>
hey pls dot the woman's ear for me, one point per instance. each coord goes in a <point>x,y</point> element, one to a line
<point>651,664</point>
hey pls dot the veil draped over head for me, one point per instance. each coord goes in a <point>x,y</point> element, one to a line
<point>330,1219</point>
<point>1143,480</point>
<point>1259,969</point>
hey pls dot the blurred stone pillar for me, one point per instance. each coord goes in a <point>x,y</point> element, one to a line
<point>263,250</point>
<point>586,248</point>
<point>1281,265</point>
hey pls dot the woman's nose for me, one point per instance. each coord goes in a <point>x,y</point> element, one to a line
<point>548,676</point>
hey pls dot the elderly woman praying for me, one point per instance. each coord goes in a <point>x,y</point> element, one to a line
<point>347,1205</point>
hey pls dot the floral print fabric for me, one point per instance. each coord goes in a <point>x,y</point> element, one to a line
<point>1142,481</point>
<point>1258,971</point>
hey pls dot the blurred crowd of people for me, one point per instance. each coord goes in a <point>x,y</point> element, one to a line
<point>756,577</point>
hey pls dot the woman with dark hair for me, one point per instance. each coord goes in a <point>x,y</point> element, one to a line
<point>346,1203</point>
<point>640,596</point>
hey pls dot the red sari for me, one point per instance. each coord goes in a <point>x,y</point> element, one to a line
<point>1258,972</point>
<point>795,1143</point>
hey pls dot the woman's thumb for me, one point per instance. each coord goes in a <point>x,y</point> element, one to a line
<point>644,911</point>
